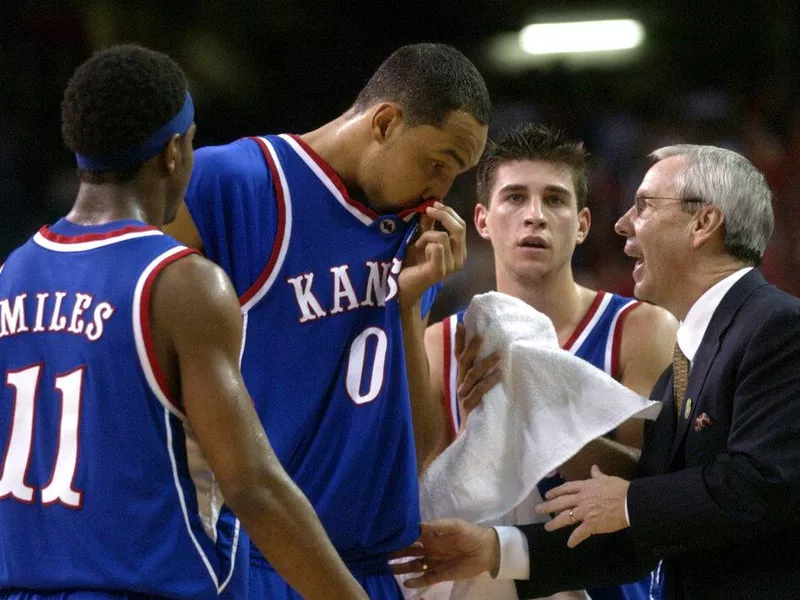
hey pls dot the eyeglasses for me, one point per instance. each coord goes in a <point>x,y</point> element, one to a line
<point>641,203</point>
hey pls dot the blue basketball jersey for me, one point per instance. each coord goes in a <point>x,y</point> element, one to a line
<point>102,485</point>
<point>597,339</point>
<point>323,356</point>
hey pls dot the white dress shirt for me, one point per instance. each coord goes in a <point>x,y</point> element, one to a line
<point>514,556</point>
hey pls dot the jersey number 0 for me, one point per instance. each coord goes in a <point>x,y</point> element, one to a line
<point>356,365</point>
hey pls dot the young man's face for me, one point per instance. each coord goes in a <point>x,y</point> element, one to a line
<point>415,164</point>
<point>532,219</point>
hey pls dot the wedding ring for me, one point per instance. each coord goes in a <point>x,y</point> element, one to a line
<point>572,516</point>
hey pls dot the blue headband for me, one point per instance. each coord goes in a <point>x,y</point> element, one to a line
<point>134,156</point>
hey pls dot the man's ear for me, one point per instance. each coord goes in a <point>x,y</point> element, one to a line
<point>481,217</point>
<point>584,224</point>
<point>172,154</point>
<point>387,118</point>
<point>707,225</point>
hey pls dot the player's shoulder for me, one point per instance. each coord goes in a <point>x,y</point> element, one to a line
<point>241,158</point>
<point>651,319</point>
<point>433,335</point>
<point>194,284</point>
<point>15,254</point>
<point>649,333</point>
<point>194,303</point>
<point>436,333</point>
<point>648,337</point>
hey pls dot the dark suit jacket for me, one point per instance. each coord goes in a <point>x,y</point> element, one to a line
<point>717,496</point>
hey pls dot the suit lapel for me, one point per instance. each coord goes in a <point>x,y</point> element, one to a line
<point>709,348</point>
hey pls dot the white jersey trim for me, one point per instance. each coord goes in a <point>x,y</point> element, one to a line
<point>182,500</point>
<point>141,348</point>
<point>234,548</point>
<point>42,241</point>
<point>287,200</point>
<point>209,496</point>
<point>326,181</point>
<point>452,376</point>
<point>245,319</point>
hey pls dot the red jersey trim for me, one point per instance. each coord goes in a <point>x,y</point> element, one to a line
<point>585,321</point>
<point>447,365</point>
<point>334,178</point>
<point>277,245</point>
<point>616,343</point>
<point>144,319</point>
<point>58,238</point>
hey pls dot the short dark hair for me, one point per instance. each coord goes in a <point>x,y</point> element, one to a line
<point>117,99</point>
<point>428,81</point>
<point>533,142</point>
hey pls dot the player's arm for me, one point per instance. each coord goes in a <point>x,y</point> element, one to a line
<point>434,349</point>
<point>184,230</point>
<point>430,258</point>
<point>197,328</point>
<point>613,458</point>
<point>648,336</point>
<point>426,416</point>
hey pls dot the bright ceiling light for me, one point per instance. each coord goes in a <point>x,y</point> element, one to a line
<point>581,36</point>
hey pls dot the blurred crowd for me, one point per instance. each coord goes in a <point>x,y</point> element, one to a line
<point>291,66</point>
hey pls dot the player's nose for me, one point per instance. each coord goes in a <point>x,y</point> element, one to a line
<point>534,213</point>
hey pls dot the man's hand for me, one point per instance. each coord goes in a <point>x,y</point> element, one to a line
<point>433,255</point>
<point>447,550</point>
<point>597,505</point>
<point>474,380</point>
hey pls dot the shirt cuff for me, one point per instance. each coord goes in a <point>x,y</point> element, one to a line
<point>627,516</point>
<point>514,558</point>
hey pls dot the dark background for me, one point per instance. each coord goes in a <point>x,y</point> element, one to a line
<point>722,73</point>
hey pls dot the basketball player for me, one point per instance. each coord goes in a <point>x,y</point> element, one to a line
<point>532,188</point>
<point>318,234</point>
<point>124,419</point>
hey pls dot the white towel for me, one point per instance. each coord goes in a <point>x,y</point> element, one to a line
<point>548,405</point>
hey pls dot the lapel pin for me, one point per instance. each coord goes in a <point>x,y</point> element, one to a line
<point>687,411</point>
<point>702,422</point>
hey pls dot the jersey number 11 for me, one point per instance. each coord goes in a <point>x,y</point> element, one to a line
<point>17,455</point>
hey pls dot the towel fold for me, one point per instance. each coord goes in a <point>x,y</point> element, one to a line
<point>548,405</point>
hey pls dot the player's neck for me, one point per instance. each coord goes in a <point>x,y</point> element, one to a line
<point>97,204</point>
<point>554,294</point>
<point>337,143</point>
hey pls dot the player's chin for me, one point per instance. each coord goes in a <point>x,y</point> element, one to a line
<point>393,207</point>
<point>396,205</point>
